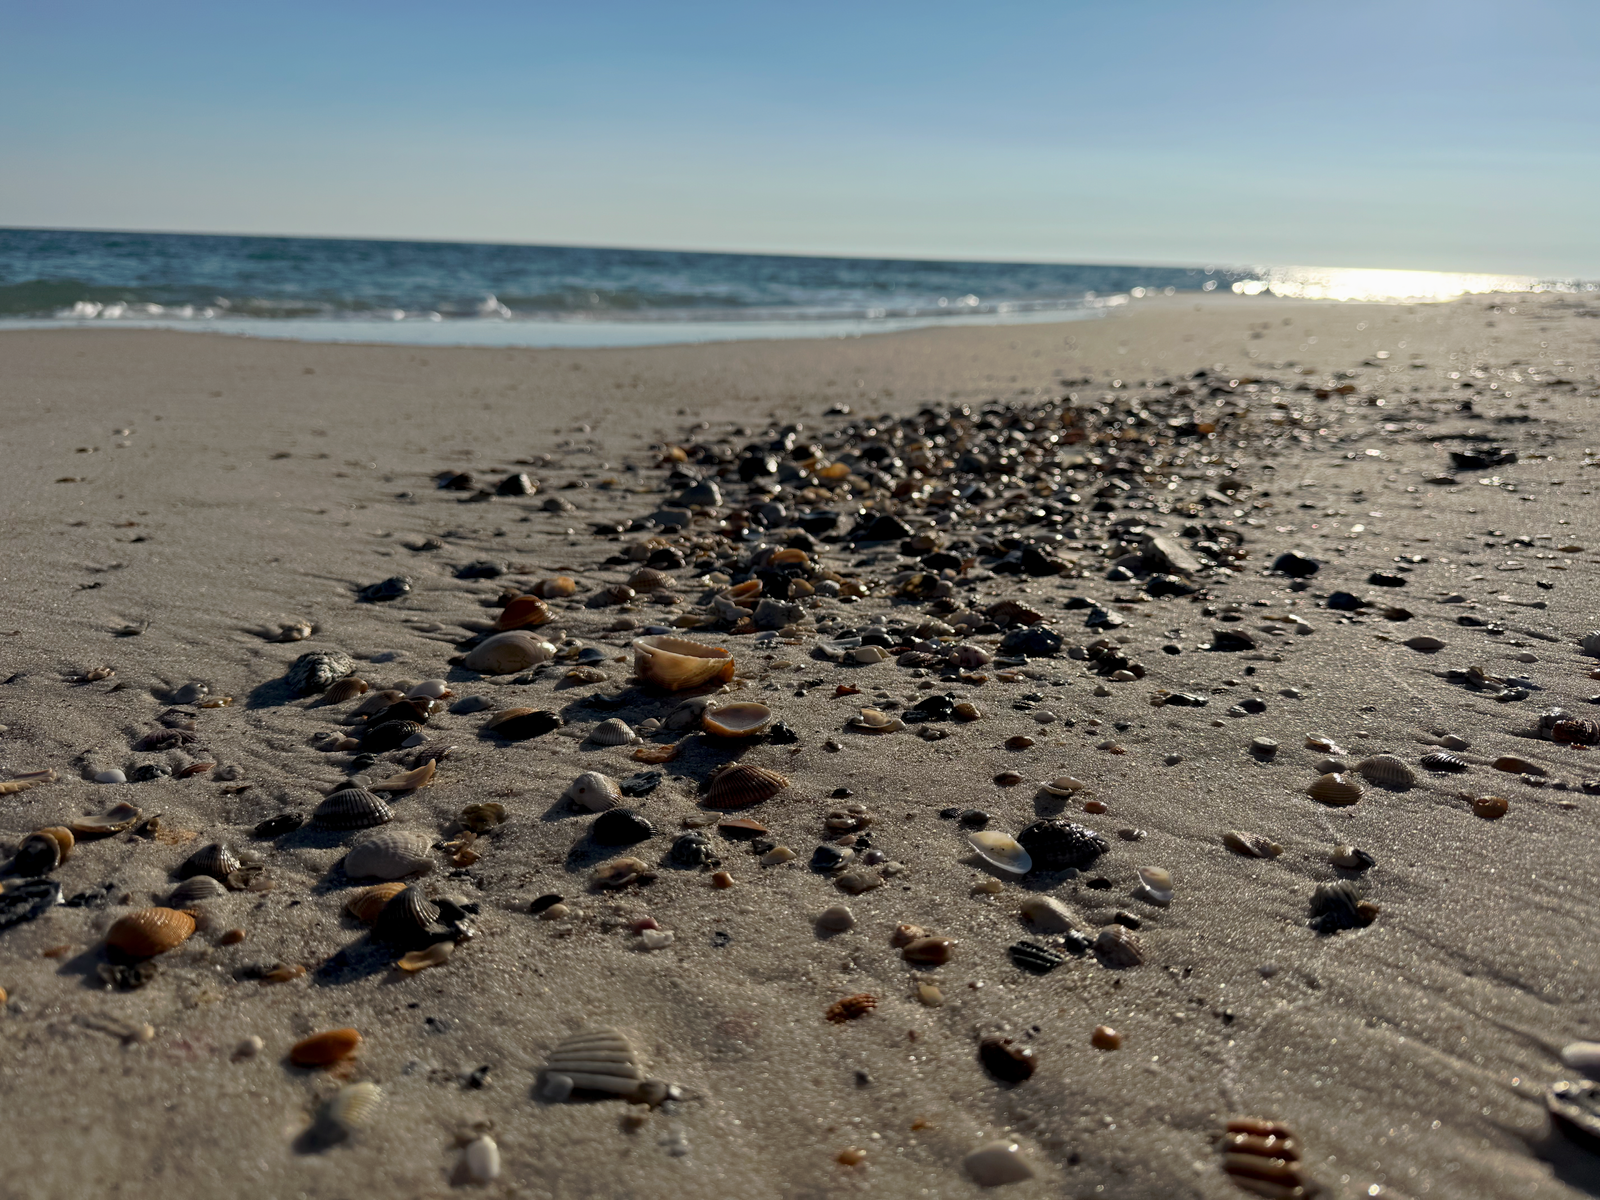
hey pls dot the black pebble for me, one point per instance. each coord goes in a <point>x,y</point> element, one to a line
<point>780,734</point>
<point>844,793</point>
<point>1005,1061</point>
<point>973,818</point>
<point>949,814</point>
<point>544,902</point>
<point>829,858</point>
<point>620,827</point>
<point>1253,705</point>
<point>642,783</point>
<point>1296,566</point>
<point>24,901</point>
<point>279,825</point>
<point>1384,579</point>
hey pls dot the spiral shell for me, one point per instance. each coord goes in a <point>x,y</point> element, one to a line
<point>1335,790</point>
<point>676,663</point>
<point>743,784</point>
<point>366,904</point>
<point>326,1048</point>
<point>217,860</point>
<point>613,732</point>
<point>522,613</point>
<point>150,931</point>
<point>1387,771</point>
<point>195,891</point>
<point>1119,946</point>
<point>594,792</point>
<point>389,854</point>
<point>508,653</point>
<point>736,720</point>
<point>352,808</point>
<point>599,1059</point>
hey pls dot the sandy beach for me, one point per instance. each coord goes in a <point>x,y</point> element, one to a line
<point>173,501</point>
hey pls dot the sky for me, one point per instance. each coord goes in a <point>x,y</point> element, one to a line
<point>1427,134</point>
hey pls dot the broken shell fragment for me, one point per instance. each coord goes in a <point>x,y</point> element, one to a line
<point>620,872</point>
<point>1155,885</point>
<point>508,653</point>
<point>434,955</point>
<point>1490,808</point>
<point>1251,845</point>
<point>676,663</point>
<point>594,792</point>
<point>1001,850</point>
<point>407,781</point>
<point>521,724</point>
<point>736,720</point>
<point>872,720</point>
<point>326,1048</point>
<point>1335,790</point>
<point>149,932</point>
<point>195,891</point>
<point>742,784</point>
<point>1049,915</point>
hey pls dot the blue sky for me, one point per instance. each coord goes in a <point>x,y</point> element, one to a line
<point>1460,135</point>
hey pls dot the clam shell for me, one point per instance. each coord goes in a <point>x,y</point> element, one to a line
<point>217,860</point>
<point>406,781</point>
<point>1439,760</point>
<point>1119,946</point>
<point>1055,844</point>
<point>1352,858</point>
<point>1049,915</point>
<point>429,689</point>
<point>523,612</point>
<point>594,792</point>
<point>508,653</point>
<point>352,808</point>
<point>1387,771</point>
<point>406,919</point>
<point>676,663</point>
<point>318,670</point>
<point>1063,785</point>
<point>150,931</point>
<point>352,1107</point>
<point>872,720</point>
<point>520,724</point>
<point>743,784</point>
<point>114,820</point>
<point>366,904</point>
<point>1155,885</point>
<point>345,690</point>
<point>869,654</point>
<point>1251,845</point>
<point>195,891</point>
<point>1001,850</point>
<point>688,714</point>
<point>389,854</point>
<point>326,1048</point>
<point>736,720</point>
<point>599,1059</point>
<point>1513,765</point>
<point>613,732</point>
<point>1335,790</point>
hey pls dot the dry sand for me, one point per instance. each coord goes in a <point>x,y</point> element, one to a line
<point>259,482</point>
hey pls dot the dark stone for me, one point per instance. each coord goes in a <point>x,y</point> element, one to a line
<point>1056,843</point>
<point>1119,575</point>
<point>391,588</point>
<point>1032,641</point>
<point>454,481</point>
<point>973,818</point>
<point>1123,917</point>
<point>1253,705</point>
<point>642,783</point>
<point>1296,565</point>
<point>26,900</point>
<point>1483,458</point>
<point>934,708</point>
<point>543,902</point>
<point>829,858</point>
<point>819,522</point>
<point>950,814</point>
<point>879,528</point>
<point>1383,579</point>
<point>1005,1061</point>
<point>279,825</point>
<point>529,725</point>
<point>1036,562</point>
<point>480,569</point>
<point>779,733</point>
<point>620,827</point>
<point>941,560</point>
<point>1184,700</point>
<point>1229,640</point>
<point>1100,618</point>
<point>1345,602</point>
<point>841,793</point>
<point>1158,586</point>
<point>515,485</point>
<point>363,762</point>
<point>666,558</point>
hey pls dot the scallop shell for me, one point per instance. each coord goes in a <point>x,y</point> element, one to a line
<point>743,784</point>
<point>352,1108</point>
<point>1063,785</point>
<point>1251,845</point>
<point>872,720</point>
<point>1438,760</point>
<point>1049,915</point>
<point>1387,771</point>
<point>345,690</point>
<point>676,663</point>
<point>318,670</point>
<point>1055,844</point>
<point>366,904</point>
<point>736,720</point>
<point>389,854</point>
<point>648,579</point>
<point>508,653</point>
<point>150,931</point>
<point>522,613</point>
<point>352,808</point>
<point>1119,946</point>
<point>1002,851</point>
<point>406,781</point>
<point>613,732</point>
<point>594,792</point>
<point>1335,790</point>
<point>1155,885</point>
<point>600,1059</point>
<point>217,860</point>
<point>195,891</point>
<point>406,919</point>
<point>324,1049</point>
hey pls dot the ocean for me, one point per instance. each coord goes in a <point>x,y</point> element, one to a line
<point>461,293</point>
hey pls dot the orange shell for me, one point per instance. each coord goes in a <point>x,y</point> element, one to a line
<point>62,837</point>
<point>322,1049</point>
<point>561,585</point>
<point>522,612</point>
<point>150,931</point>
<point>742,785</point>
<point>675,663</point>
<point>366,904</point>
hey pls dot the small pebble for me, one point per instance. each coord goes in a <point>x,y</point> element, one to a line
<point>248,1048</point>
<point>721,879</point>
<point>851,1157</point>
<point>929,996</point>
<point>836,919</point>
<point>777,855</point>
<point>657,939</point>
<point>555,912</point>
<point>1263,747</point>
<point>1105,1038</point>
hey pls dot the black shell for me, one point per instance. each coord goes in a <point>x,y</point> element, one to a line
<point>216,860</point>
<point>528,725</point>
<point>1438,760</point>
<point>26,900</point>
<point>1034,958</point>
<point>279,825</point>
<point>391,588</point>
<point>1333,906</point>
<point>314,671</point>
<point>408,920</point>
<point>353,808</point>
<point>620,827</point>
<point>1055,843</point>
<point>693,849</point>
<point>1006,1061</point>
<point>388,735</point>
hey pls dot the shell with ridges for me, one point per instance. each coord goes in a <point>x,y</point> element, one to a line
<point>1387,771</point>
<point>352,1108</point>
<point>1251,845</point>
<point>352,808</point>
<point>743,784</point>
<point>1119,946</point>
<point>522,613</point>
<point>594,792</point>
<point>1335,790</point>
<point>317,670</point>
<point>150,931</point>
<point>195,891</point>
<point>613,732</point>
<point>366,904</point>
<point>217,860</point>
<point>746,719</point>
<point>1056,843</point>
<point>406,919</point>
<point>406,781</point>
<point>388,854</point>
<point>375,702</point>
<point>508,653</point>
<point>676,663</point>
<point>599,1060</point>
<point>648,579</point>
<point>1439,760</point>
<point>344,690</point>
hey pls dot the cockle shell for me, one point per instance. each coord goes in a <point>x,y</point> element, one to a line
<point>1001,850</point>
<point>613,732</point>
<point>352,808</point>
<point>1155,885</point>
<point>648,579</point>
<point>1387,771</point>
<point>195,891</point>
<point>523,612</point>
<point>352,1108</point>
<point>736,720</point>
<point>1049,915</point>
<point>1119,946</point>
<point>366,904</point>
<point>743,784</point>
<point>1439,760</point>
<point>1251,845</point>
<point>406,919</point>
<point>344,690</point>
<point>508,653</point>
<point>388,854</point>
<point>150,931</point>
<point>599,1059</point>
<point>1263,1157</point>
<point>217,860</point>
<point>594,792</point>
<point>326,1048</point>
<point>676,663</point>
<point>406,781</point>
<point>1335,790</point>
<point>873,720</point>
<point>1056,843</point>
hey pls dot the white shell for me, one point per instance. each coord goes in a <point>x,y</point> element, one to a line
<point>969,658</point>
<point>1387,770</point>
<point>431,689</point>
<point>688,714</point>
<point>600,1059</point>
<point>1583,1057</point>
<point>1001,850</point>
<point>480,1158</point>
<point>508,653</point>
<point>997,1163</point>
<point>353,1107</point>
<point>1155,885</point>
<point>614,732</point>
<point>111,776</point>
<point>388,854</point>
<point>869,654</point>
<point>1049,915</point>
<point>594,792</point>
<point>836,919</point>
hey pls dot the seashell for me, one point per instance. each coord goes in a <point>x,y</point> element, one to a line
<point>620,872</point>
<point>1513,765</point>
<point>39,854</point>
<point>1490,808</point>
<point>995,1164</point>
<point>1001,850</point>
<point>872,720</point>
<point>929,951</point>
<point>1575,733</point>
<point>1335,790</point>
<point>114,775</point>
<point>1424,644</point>
<point>967,711</point>
<point>1055,844</point>
<point>1104,1037</point>
<point>326,1048</point>
<point>594,792</point>
<point>523,612</point>
<point>740,785</point>
<point>1155,885</point>
<point>507,653</point>
<point>429,689</point>
<point>344,690</point>
<point>520,724</point>
<point>406,781</point>
<point>352,808</point>
<point>480,1160</point>
<point>1582,1057</point>
<point>851,1008</point>
<point>1438,760</point>
<point>1063,785</point>
<point>836,919</point>
<point>1252,845</point>
<point>1590,643</point>
<point>1264,1157</point>
<point>1575,1108</point>
<point>1119,946</point>
<point>613,732</point>
<point>1034,958</point>
<point>554,589</point>
<point>969,658</point>
<point>375,702</point>
<point>620,827</point>
<point>1339,905</point>
<point>1352,858</point>
<point>389,854</point>
<point>407,919</point>
<point>388,735</point>
<point>598,1059</point>
<point>736,720</point>
<point>857,881</point>
<point>688,714</point>
<point>27,900</point>
<point>366,904</point>
<point>648,579</point>
<point>351,1109</point>
<point>318,670</point>
<point>195,891</point>
<point>1049,915</point>
<point>1006,1061</point>
<point>1324,745</point>
<point>869,654</point>
<point>11,787</point>
<point>217,860</point>
<point>149,932</point>
<point>676,663</point>
<point>1387,771</point>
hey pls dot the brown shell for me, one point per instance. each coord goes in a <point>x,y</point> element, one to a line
<point>1335,790</point>
<point>150,931</point>
<point>648,579</point>
<point>1119,946</point>
<point>742,784</point>
<point>366,904</point>
<point>1387,771</point>
<point>508,653</point>
<point>551,589</point>
<point>1490,808</point>
<point>322,1049</point>
<point>1513,765</point>
<point>676,663</point>
<point>62,837</point>
<point>522,612</point>
<point>407,781</point>
<point>745,719</point>
<point>217,860</point>
<point>344,690</point>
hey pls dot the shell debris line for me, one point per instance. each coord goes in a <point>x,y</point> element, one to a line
<point>905,774</point>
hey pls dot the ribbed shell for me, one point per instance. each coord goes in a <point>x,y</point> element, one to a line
<point>594,792</point>
<point>1055,843</point>
<point>353,1107</point>
<point>599,1060</point>
<point>736,720</point>
<point>1251,845</point>
<point>676,663</point>
<point>613,732</point>
<point>744,784</point>
<point>390,854</point>
<point>508,653</point>
<point>195,891</point>
<point>648,579</point>
<point>388,735</point>
<point>150,931</point>
<point>1335,790</point>
<point>345,690</point>
<point>1438,760</point>
<point>1387,771</point>
<point>366,904</point>
<point>317,670</point>
<point>217,860</point>
<point>1119,946</point>
<point>523,612</point>
<point>352,808</point>
<point>406,919</point>
<point>1034,958</point>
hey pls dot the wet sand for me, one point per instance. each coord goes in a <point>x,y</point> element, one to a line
<point>259,484</point>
